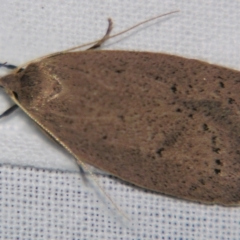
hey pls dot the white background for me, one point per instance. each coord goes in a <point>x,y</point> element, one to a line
<point>42,194</point>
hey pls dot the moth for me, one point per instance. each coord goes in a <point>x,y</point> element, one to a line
<point>162,122</point>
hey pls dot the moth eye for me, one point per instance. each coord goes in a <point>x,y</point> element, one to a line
<point>15,95</point>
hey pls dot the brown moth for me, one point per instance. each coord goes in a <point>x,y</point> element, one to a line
<point>161,122</point>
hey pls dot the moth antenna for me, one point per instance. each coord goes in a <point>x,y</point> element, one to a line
<point>122,32</point>
<point>101,40</point>
<point>86,168</point>
<point>141,23</point>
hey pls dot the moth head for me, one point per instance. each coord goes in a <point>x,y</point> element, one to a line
<point>11,84</point>
<point>24,85</point>
<point>32,87</point>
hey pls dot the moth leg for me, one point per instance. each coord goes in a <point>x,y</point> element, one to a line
<point>9,66</point>
<point>81,169</point>
<point>83,174</point>
<point>9,111</point>
<point>100,42</point>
